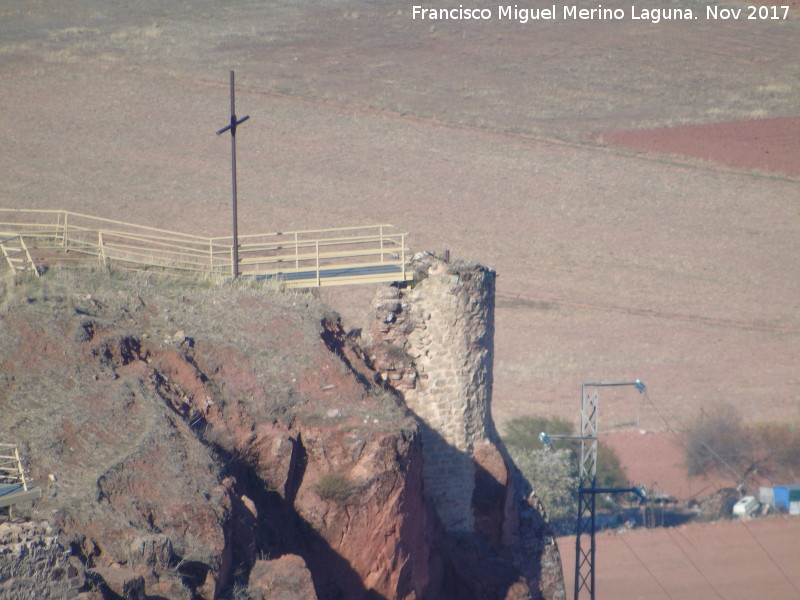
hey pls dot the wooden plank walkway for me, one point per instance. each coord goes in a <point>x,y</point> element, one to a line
<point>14,487</point>
<point>15,494</point>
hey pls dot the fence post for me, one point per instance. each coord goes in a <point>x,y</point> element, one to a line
<point>403,253</point>
<point>381,234</point>
<point>66,227</point>
<point>296,252</point>
<point>211,256</point>
<point>102,249</point>
<point>316,246</point>
<point>21,472</point>
<point>28,258</point>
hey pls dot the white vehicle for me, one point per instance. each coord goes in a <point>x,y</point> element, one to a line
<point>745,507</point>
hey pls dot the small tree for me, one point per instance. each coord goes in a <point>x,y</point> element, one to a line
<point>717,442</point>
<point>554,473</point>
<point>780,445</point>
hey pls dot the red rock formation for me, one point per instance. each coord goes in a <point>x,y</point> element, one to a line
<point>197,450</point>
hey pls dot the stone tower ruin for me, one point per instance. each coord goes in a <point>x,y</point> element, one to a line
<point>434,343</point>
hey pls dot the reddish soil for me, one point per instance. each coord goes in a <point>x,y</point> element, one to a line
<point>675,264</point>
<point>771,145</point>
<point>656,460</point>
<point>735,560</point>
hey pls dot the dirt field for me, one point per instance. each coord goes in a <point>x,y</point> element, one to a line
<point>725,559</point>
<point>667,252</point>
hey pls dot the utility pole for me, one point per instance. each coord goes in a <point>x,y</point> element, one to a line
<point>232,128</point>
<point>587,484</point>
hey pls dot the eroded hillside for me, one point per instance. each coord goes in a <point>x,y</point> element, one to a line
<point>187,432</point>
<point>203,440</point>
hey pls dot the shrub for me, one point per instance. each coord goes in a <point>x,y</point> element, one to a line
<point>554,473</point>
<point>335,487</point>
<point>523,434</point>
<point>553,476</point>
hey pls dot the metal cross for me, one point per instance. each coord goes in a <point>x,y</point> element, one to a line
<point>232,128</point>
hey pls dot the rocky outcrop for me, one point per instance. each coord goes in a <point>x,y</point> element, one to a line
<point>203,443</point>
<point>35,564</point>
<point>193,461</point>
<point>284,578</point>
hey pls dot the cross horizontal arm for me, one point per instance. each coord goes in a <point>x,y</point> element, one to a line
<point>234,124</point>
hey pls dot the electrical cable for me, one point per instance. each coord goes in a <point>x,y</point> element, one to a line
<point>694,564</point>
<point>729,467</point>
<point>774,562</point>
<point>689,452</point>
<point>646,568</point>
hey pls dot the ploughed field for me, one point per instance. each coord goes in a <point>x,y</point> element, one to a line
<point>634,184</point>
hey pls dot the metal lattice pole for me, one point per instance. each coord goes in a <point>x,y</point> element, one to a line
<point>587,487</point>
<point>587,484</point>
<point>587,480</point>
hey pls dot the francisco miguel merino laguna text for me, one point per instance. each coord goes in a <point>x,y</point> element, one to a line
<point>523,15</point>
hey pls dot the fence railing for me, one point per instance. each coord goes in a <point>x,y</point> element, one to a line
<point>15,254</point>
<point>11,472</point>
<point>14,487</point>
<point>300,258</point>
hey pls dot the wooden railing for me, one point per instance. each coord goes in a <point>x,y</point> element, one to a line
<point>16,255</point>
<point>14,488</point>
<point>11,472</point>
<point>300,258</point>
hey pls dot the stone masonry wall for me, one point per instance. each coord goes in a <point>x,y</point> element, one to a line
<point>34,563</point>
<point>435,343</point>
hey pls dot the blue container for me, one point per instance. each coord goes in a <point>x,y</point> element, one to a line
<point>785,494</point>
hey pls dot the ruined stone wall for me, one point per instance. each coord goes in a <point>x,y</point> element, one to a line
<point>438,348</point>
<point>434,343</point>
<point>34,563</point>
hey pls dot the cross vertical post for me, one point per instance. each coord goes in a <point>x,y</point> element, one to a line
<point>232,128</point>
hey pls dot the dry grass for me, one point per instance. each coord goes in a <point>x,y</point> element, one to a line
<point>102,373</point>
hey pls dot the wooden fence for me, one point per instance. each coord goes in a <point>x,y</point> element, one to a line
<point>313,258</point>
<point>15,254</point>
<point>14,487</point>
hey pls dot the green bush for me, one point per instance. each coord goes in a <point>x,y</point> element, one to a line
<point>523,434</point>
<point>554,473</point>
<point>335,487</point>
